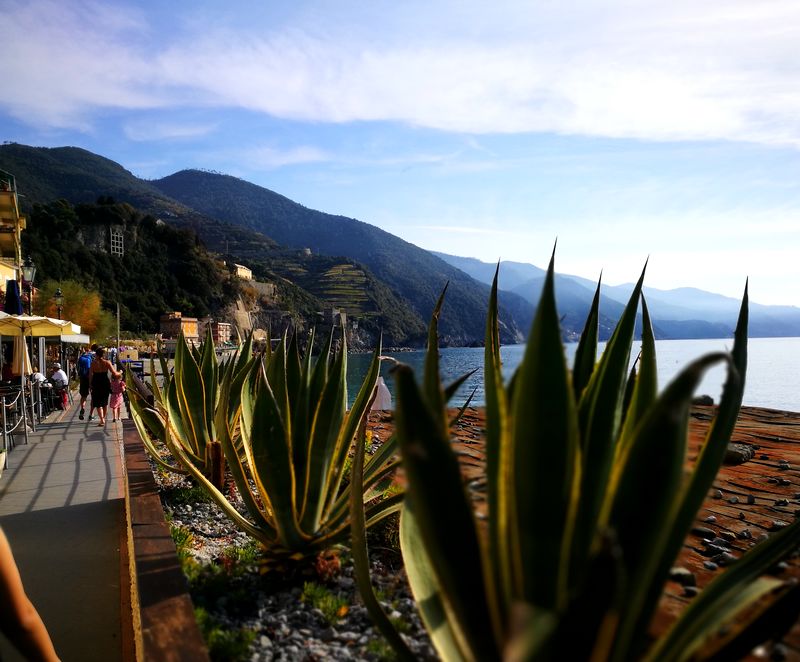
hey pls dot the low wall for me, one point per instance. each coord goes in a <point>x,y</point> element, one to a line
<point>164,624</point>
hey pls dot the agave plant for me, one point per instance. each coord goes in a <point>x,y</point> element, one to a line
<point>589,503</point>
<point>195,410</point>
<point>296,435</point>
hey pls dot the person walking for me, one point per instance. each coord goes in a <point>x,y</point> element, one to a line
<point>84,369</point>
<point>100,383</point>
<point>115,404</point>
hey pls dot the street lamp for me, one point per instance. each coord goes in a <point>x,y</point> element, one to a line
<point>28,274</point>
<point>58,299</point>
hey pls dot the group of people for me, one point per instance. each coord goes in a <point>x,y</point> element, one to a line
<point>93,376</point>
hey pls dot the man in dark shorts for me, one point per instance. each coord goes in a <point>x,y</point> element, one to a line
<point>84,366</point>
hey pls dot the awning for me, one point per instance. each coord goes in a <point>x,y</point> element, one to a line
<point>76,338</point>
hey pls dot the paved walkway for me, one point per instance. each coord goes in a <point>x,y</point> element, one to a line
<point>62,508</point>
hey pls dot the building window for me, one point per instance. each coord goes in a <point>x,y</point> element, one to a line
<point>117,245</point>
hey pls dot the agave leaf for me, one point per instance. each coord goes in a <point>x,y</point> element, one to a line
<point>707,464</point>
<point>451,389</point>
<point>460,414</point>
<point>599,416</point>
<point>214,493</point>
<point>360,408</point>
<point>328,417</point>
<point>190,396</point>
<point>297,387</point>
<point>164,364</point>
<point>645,389</point>
<point>650,481</point>
<point>361,553</point>
<point>445,519</point>
<point>379,464</point>
<point>276,376</point>
<point>272,466</point>
<point>586,353</point>
<point>244,354</point>
<point>183,430</point>
<point>431,381</point>
<point>208,374</point>
<point>498,463</point>
<point>544,448</point>
<point>140,414</point>
<point>532,638</point>
<point>427,591</point>
<point>155,387</point>
<point>759,620</point>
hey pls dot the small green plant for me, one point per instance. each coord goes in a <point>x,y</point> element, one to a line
<point>333,606</point>
<point>183,538</point>
<point>381,649</point>
<point>224,645</point>
<point>190,494</point>
<point>589,503</point>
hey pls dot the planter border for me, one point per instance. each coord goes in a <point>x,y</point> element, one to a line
<point>164,625</point>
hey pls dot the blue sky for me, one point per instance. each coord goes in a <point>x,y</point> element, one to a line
<point>625,129</point>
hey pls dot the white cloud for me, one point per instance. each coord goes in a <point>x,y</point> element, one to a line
<point>266,157</point>
<point>659,71</point>
<point>142,130</point>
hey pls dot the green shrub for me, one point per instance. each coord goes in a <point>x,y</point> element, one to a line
<point>333,606</point>
<point>224,645</point>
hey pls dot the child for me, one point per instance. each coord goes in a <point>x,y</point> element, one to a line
<point>115,403</point>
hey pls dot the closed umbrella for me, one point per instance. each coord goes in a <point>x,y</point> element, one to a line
<point>21,361</point>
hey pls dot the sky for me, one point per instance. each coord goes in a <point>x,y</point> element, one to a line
<point>625,130</point>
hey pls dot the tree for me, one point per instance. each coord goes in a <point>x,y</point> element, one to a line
<point>81,306</point>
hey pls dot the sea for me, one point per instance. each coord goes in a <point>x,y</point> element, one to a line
<point>773,368</point>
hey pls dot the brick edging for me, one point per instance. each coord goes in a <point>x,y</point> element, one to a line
<point>164,624</point>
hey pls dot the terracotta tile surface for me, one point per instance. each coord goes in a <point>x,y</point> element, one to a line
<point>748,500</point>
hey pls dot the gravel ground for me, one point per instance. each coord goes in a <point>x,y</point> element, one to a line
<point>284,623</point>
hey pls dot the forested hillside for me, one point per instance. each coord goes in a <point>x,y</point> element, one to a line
<point>162,269</point>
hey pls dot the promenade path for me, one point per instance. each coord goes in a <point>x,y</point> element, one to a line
<point>62,507</point>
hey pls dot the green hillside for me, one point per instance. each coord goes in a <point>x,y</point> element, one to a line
<point>163,268</point>
<point>404,280</point>
<point>306,284</point>
<point>413,273</point>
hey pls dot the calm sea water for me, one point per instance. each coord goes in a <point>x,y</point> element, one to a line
<point>773,370</point>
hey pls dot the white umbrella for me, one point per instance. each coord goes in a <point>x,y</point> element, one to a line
<point>35,325</point>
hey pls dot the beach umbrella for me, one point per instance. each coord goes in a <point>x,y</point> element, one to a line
<point>21,362</point>
<point>13,302</point>
<point>35,325</point>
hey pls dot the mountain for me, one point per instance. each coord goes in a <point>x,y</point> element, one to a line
<point>383,281</point>
<point>684,312</point>
<point>512,274</point>
<point>415,274</point>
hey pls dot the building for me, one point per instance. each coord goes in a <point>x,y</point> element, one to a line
<point>221,332</point>
<point>12,223</point>
<point>172,324</point>
<point>243,272</point>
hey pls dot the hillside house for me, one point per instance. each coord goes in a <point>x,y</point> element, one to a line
<point>243,272</point>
